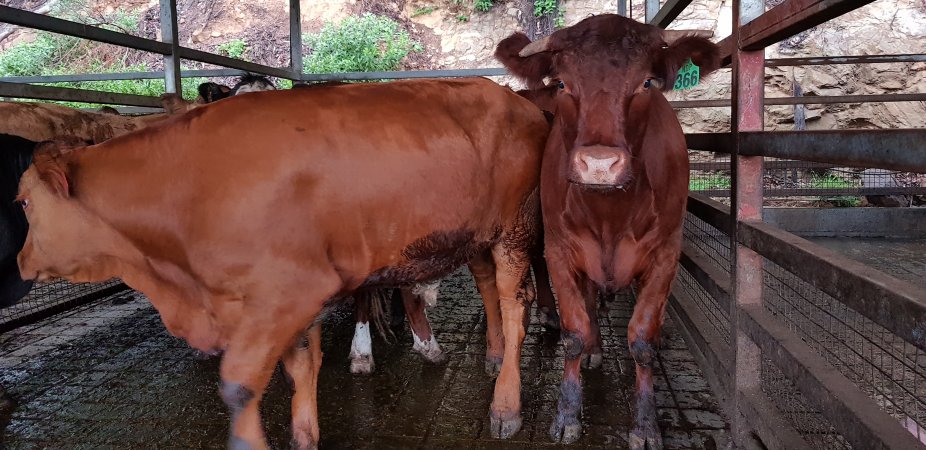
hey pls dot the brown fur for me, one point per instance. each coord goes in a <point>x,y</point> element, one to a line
<point>240,249</point>
<point>600,238</point>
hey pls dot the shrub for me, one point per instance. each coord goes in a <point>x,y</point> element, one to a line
<point>483,5</point>
<point>235,48</point>
<point>358,44</point>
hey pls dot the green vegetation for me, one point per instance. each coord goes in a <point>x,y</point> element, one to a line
<point>54,54</point>
<point>463,17</point>
<point>423,11</point>
<point>483,5</point>
<point>831,181</point>
<point>705,182</point>
<point>544,7</point>
<point>235,48</point>
<point>358,44</point>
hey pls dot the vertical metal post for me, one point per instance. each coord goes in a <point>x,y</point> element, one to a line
<point>748,115</point>
<point>622,7</point>
<point>170,35</point>
<point>651,8</point>
<point>295,37</point>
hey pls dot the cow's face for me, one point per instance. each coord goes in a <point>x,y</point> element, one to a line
<point>62,233</point>
<point>608,69</point>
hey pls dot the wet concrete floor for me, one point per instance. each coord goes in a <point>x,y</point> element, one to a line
<point>109,376</point>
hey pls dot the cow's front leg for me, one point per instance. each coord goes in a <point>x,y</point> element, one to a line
<point>302,364</point>
<point>546,304</point>
<point>511,279</point>
<point>594,354</point>
<point>425,342</point>
<point>643,337</point>
<point>572,289</point>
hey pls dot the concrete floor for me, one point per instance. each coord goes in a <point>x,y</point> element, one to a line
<point>109,376</point>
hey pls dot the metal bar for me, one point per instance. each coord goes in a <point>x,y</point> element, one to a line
<point>402,74</point>
<point>713,279</point>
<point>650,9</point>
<point>209,58</point>
<point>61,307</point>
<point>886,149</point>
<point>295,37</point>
<point>720,103</point>
<point>122,76</point>
<point>824,100</point>
<point>724,165</point>
<point>894,304</point>
<point>712,142</point>
<point>622,7</point>
<point>42,22</point>
<point>669,11</point>
<point>861,59</point>
<point>75,95</point>
<point>771,427</point>
<point>856,416</point>
<point>169,34</point>
<point>716,214</point>
<point>790,18</point>
<point>821,192</point>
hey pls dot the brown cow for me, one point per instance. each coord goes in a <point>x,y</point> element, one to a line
<point>613,187</point>
<point>240,250</point>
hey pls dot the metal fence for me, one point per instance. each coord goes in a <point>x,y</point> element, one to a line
<point>47,299</point>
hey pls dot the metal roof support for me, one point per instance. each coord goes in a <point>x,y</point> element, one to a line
<point>748,114</point>
<point>669,11</point>
<point>651,8</point>
<point>170,35</point>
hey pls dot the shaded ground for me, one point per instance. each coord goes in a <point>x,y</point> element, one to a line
<point>901,258</point>
<point>109,375</point>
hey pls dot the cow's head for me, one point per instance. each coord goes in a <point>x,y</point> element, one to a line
<point>63,234</point>
<point>609,70</point>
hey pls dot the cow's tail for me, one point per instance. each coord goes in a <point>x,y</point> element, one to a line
<point>379,315</point>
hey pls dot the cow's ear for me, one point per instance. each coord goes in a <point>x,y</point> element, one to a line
<point>531,69</point>
<point>703,53</point>
<point>51,167</point>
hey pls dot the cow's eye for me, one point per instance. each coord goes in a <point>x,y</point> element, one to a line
<point>24,202</point>
<point>652,83</point>
<point>561,85</point>
<point>648,83</point>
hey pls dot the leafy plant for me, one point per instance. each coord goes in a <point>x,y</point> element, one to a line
<point>463,17</point>
<point>483,5</point>
<point>235,48</point>
<point>358,44</point>
<point>832,181</point>
<point>544,7</point>
<point>714,181</point>
<point>423,11</point>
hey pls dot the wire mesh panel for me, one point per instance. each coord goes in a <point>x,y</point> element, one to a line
<point>46,299</point>
<point>815,183</point>
<point>708,239</point>
<point>718,316</point>
<point>805,419</point>
<point>889,370</point>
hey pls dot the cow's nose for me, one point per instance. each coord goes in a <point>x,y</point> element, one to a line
<point>601,166</point>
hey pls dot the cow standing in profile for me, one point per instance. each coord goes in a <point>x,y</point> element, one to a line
<point>357,187</point>
<point>614,186</point>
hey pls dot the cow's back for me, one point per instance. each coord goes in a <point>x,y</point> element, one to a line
<point>351,176</point>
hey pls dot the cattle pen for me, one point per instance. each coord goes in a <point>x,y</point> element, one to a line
<point>808,323</point>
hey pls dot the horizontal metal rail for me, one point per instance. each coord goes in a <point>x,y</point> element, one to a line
<point>713,279</point>
<point>42,22</point>
<point>712,212</point>
<point>823,192</point>
<point>768,165</point>
<point>831,99</point>
<point>402,74</point>
<point>123,76</point>
<point>892,303</point>
<point>852,413</point>
<point>826,60</point>
<point>32,91</point>
<point>209,58</point>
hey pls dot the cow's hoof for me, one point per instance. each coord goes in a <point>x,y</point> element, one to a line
<point>504,426</point>
<point>548,319</point>
<point>565,430</point>
<point>592,361</point>
<point>493,366</point>
<point>303,443</point>
<point>645,437</point>
<point>362,365</point>
<point>430,350</point>
<point>436,358</point>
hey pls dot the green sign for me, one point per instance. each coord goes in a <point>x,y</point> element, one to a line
<point>688,76</point>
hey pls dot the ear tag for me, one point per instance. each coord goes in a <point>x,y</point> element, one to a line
<point>688,76</point>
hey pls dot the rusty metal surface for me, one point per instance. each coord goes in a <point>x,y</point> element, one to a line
<point>853,59</point>
<point>109,376</point>
<point>855,415</point>
<point>892,303</point>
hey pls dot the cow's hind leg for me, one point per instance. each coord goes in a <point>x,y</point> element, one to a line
<point>511,279</point>
<point>361,347</point>
<point>573,290</point>
<point>302,364</point>
<point>546,304</point>
<point>483,269</point>
<point>424,340</point>
<point>643,337</point>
